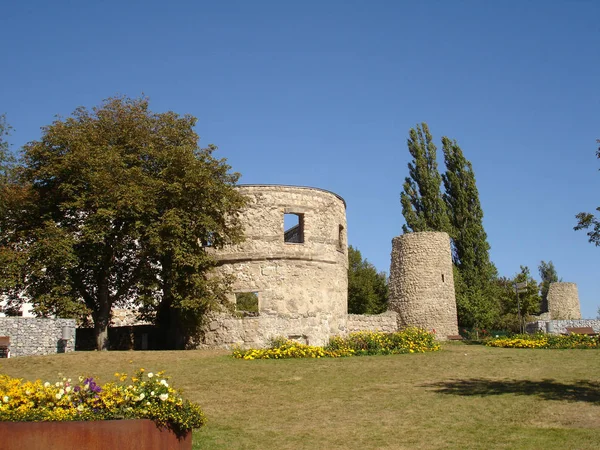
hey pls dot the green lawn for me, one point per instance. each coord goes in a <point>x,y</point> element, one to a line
<point>463,397</point>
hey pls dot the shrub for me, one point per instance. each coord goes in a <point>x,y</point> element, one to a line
<point>410,340</point>
<point>147,396</point>
<point>540,340</point>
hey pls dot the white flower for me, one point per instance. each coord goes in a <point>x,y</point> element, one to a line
<point>46,384</point>
<point>69,380</point>
<point>148,403</point>
<point>163,397</point>
<point>150,374</point>
<point>164,383</point>
<point>58,396</point>
<point>61,392</point>
<point>142,396</point>
<point>5,399</point>
<point>152,393</point>
<point>28,392</point>
<point>57,384</point>
<point>80,408</point>
<point>68,389</point>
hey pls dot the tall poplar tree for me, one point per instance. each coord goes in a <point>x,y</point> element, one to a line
<point>475,293</point>
<point>422,204</point>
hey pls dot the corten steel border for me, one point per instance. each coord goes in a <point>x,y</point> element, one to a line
<point>138,434</point>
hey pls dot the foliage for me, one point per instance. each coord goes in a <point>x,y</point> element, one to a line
<point>548,275</point>
<point>246,303</point>
<point>422,205</point>
<point>475,295</point>
<point>409,340</point>
<point>148,396</point>
<point>529,300</point>
<point>367,289</point>
<point>587,221</point>
<point>118,206</point>
<point>540,340</point>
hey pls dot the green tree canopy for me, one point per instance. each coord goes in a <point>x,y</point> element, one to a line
<point>422,205</point>
<point>548,275</point>
<point>367,289</point>
<point>118,206</point>
<point>529,300</point>
<point>587,221</point>
<point>475,293</point>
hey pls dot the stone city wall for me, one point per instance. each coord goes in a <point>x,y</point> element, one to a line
<point>36,336</point>
<point>421,286</point>
<point>563,301</point>
<point>386,322</point>
<point>301,284</point>
<point>560,326</point>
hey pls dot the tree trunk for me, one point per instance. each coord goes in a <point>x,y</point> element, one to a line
<point>102,317</point>
<point>168,318</point>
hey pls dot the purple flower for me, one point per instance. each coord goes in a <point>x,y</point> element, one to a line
<point>76,389</point>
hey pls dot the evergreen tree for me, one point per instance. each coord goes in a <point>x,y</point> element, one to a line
<point>475,292</point>
<point>422,205</point>
<point>367,289</point>
<point>548,275</point>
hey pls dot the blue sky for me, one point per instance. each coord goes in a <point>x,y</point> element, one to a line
<point>323,93</point>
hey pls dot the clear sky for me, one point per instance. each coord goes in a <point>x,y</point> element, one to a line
<point>323,93</point>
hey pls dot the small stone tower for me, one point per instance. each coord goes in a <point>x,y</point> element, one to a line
<point>563,301</point>
<point>421,285</point>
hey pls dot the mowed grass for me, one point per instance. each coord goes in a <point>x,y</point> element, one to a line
<point>463,397</point>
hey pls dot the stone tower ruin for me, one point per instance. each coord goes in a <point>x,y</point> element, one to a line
<point>290,273</point>
<point>563,301</point>
<point>421,284</point>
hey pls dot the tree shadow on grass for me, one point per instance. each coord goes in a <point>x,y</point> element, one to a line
<point>548,389</point>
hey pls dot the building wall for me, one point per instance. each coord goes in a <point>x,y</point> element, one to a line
<point>302,287</point>
<point>35,336</point>
<point>563,301</point>
<point>386,322</point>
<point>421,285</point>
<point>560,326</point>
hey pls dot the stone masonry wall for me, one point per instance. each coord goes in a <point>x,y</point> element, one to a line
<point>386,322</point>
<point>302,287</point>
<point>563,301</point>
<point>421,286</point>
<point>35,336</point>
<point>560,326</point>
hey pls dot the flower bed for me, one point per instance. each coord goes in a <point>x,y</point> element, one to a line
<point>541,340</point>
<point>143,396</point>
<point>409,340</point>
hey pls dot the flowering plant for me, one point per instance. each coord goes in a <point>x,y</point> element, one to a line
<point>409,340</point>
<point>541,340</point>
<point>145,396</point>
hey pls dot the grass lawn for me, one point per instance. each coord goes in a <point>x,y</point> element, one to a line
<point>463,397</point>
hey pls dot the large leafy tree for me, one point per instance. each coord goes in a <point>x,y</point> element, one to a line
<point>121,204</point>
<point>422,205</point>
<point>475,289</point>
<point>587,221</point>
<point>367,289</point>
<point>548,275</point>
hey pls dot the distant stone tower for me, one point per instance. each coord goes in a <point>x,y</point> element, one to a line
<point>421,285</point>
<point>563,301</point>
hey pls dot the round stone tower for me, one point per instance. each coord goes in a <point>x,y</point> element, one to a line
<point>421,285</point>
<point>291,272</point>
<point>563,301</point>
